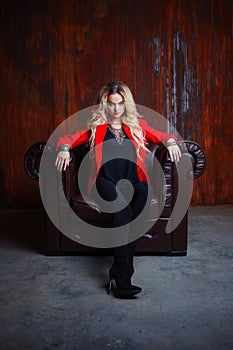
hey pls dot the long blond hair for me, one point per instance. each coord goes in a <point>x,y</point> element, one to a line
<point>129,118</point>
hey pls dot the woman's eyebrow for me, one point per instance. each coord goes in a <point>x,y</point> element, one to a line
<point>115,103</point>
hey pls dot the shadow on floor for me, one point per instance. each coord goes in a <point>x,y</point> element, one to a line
<point>23,229</point>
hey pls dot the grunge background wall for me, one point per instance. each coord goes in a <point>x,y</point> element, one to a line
<point>175,55</point>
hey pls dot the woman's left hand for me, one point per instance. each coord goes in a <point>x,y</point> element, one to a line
<point>174,152</point>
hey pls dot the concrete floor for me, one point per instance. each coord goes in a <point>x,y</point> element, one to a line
<point>60,302</point>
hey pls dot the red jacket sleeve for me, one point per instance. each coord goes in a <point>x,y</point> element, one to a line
<point>153,135</point>
<point>75,139</point>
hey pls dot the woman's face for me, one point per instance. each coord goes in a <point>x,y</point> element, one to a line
<point>115,106</point>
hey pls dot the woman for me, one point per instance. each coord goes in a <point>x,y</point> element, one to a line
<point>117,128</point>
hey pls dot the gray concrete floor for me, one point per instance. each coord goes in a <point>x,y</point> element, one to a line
<point>60,302</point>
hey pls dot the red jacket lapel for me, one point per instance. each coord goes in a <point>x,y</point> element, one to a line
<point>140,160</point>
<point>99,138</point>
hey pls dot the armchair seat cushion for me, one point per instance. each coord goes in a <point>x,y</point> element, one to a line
<point>91,211</point>
<point>88,211</point>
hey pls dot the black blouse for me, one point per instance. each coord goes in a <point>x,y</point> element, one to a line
<point>118,160</point>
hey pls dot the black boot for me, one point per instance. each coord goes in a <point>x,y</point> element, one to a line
<point>122,271</point>
<point>131,248</point>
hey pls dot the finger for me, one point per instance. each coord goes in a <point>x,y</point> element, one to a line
<point>58,163</point>
<point>65,165</point>
<point>175,155</point>
<point>171,155</point>
<point>60,166</point>
<point>179,152</point>
<point>67,162</point>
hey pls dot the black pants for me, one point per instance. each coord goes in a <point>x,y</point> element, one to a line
<point>123,253</point>
<point>108,191</point>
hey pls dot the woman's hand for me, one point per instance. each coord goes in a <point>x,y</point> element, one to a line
<point>174,152</point>
<point>62,160</point>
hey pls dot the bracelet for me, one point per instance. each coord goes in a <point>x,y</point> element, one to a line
<point>64,148</point>
<point>171,142</point>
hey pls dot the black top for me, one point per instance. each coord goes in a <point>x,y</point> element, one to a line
<point>119,160</point>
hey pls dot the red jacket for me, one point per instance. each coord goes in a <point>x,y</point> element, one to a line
<point>151,135</point>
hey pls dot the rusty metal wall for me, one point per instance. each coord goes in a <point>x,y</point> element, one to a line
<point>175,55</point>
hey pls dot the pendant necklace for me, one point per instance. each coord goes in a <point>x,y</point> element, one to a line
<point>118,134</point>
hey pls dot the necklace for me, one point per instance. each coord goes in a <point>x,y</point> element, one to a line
<point>118,134</point>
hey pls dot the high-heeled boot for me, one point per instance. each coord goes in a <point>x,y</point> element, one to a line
<point>122,271</point>
<point>131,248</point>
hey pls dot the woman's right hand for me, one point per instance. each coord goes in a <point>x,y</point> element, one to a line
<point>62,160</point>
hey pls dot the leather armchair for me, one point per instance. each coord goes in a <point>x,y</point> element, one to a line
<point>165,188</point>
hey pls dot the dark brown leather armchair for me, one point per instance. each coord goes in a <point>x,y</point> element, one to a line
<point>165,188</point>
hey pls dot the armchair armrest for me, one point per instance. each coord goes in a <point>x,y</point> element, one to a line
<point>197,155</point>
<point>165,183</point>
<point>32,159</point>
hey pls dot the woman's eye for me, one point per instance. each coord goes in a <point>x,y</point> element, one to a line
<point>111,104</point>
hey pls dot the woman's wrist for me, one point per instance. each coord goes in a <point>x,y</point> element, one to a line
<point>171,142</point>
<point>64,148</point>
